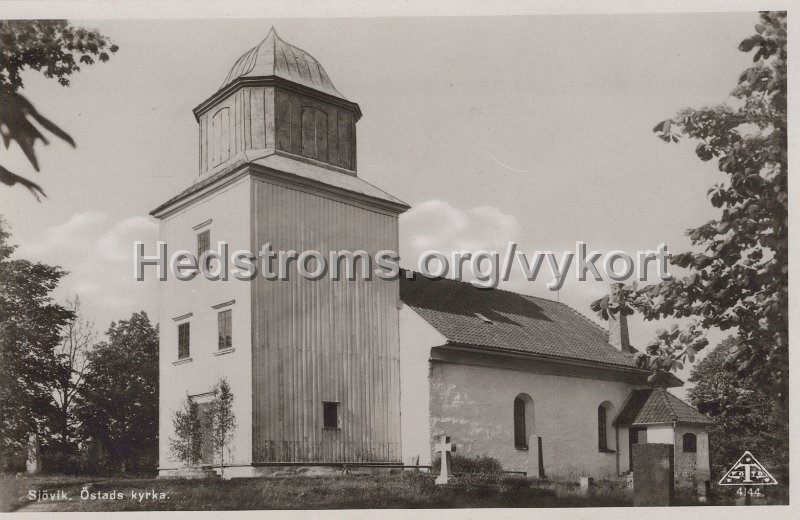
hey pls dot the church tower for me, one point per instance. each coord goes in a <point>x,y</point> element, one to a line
<point>313,363</point>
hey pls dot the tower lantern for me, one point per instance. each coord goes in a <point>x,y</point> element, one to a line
<point>277,98</point>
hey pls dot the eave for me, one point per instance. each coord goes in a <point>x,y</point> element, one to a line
<point>538,363</point>
<point>273,81</point>
<point>238,171</point>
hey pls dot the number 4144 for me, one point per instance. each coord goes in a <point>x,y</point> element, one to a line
<point>752,492</point>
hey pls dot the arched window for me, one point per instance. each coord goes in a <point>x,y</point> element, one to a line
<point>523,420</point>
<point>314,134</point>
<point>606,440</point>
<point>602,434</point>
<point>220,126</point>
<point>689,443</point>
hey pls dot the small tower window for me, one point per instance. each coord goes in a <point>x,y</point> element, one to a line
<point>314,134</point>
<point>330,415</point>
<point>203,245</point>
<point>220,125</point>
<point>346,130</point>
<point>689,443</point>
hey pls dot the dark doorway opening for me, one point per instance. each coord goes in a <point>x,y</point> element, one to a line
<point>636,435</point>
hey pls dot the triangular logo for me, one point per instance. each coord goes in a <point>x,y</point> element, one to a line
<point>747,472</point>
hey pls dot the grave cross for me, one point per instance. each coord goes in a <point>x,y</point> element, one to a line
<point>445,448</point>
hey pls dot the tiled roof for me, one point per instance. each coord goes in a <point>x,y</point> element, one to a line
<point>275,57</point>
<point>655,406</point>
<point>297,168</point>
<point>518,322</point>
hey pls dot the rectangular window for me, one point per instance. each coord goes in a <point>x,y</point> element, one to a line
<point>330,415</point>
<point>203,245</point>
<point>224,330</point>
<point>183,340</point>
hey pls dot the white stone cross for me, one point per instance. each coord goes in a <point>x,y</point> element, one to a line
<point>445,448</point>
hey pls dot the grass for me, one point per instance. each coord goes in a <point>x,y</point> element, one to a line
<point>358,491</point>
<point>385,491</point>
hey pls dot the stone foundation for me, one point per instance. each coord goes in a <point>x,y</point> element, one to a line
<point>203,472</point>
<point>249,471</point>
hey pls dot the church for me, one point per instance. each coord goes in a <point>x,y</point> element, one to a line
<point>369,372</point>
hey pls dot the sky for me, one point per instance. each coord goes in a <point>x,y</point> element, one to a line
<point>536,129</point>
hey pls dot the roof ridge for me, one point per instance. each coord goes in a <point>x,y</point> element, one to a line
<point>489,288</point>
<point>656,406</point>
<point>673,397</point>
<point>668,403</point>
<point>254,63</point>
<point>275,39</point>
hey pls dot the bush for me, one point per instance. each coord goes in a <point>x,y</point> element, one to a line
<point>423,482</point>
<point>66,461</point>
<point>462,464</point>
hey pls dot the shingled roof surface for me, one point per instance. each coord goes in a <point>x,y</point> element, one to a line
<point>518,322</point>
<point>655,406</point>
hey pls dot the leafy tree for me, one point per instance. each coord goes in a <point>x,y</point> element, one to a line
<point>221,420</point>
<point>744,416</point>
<point>72,356</point>
<point>55,48</point>
<point>118,403</point>
<point>30,325</point>
<point>187,444</point>
<point>738,266</point>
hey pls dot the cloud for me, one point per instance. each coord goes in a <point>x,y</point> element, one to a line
<point>97,252</point>
<point>435,224</point>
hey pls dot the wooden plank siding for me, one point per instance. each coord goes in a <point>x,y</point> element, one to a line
<point>268,118</point>
<point>339,126</point>
<point>251,124</point>
<point>323,340</point>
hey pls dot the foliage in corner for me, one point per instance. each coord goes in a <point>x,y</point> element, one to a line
<point>55,48</point>
<point>738,266</point>
<point>30,328</point>
<point>743,413</point>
